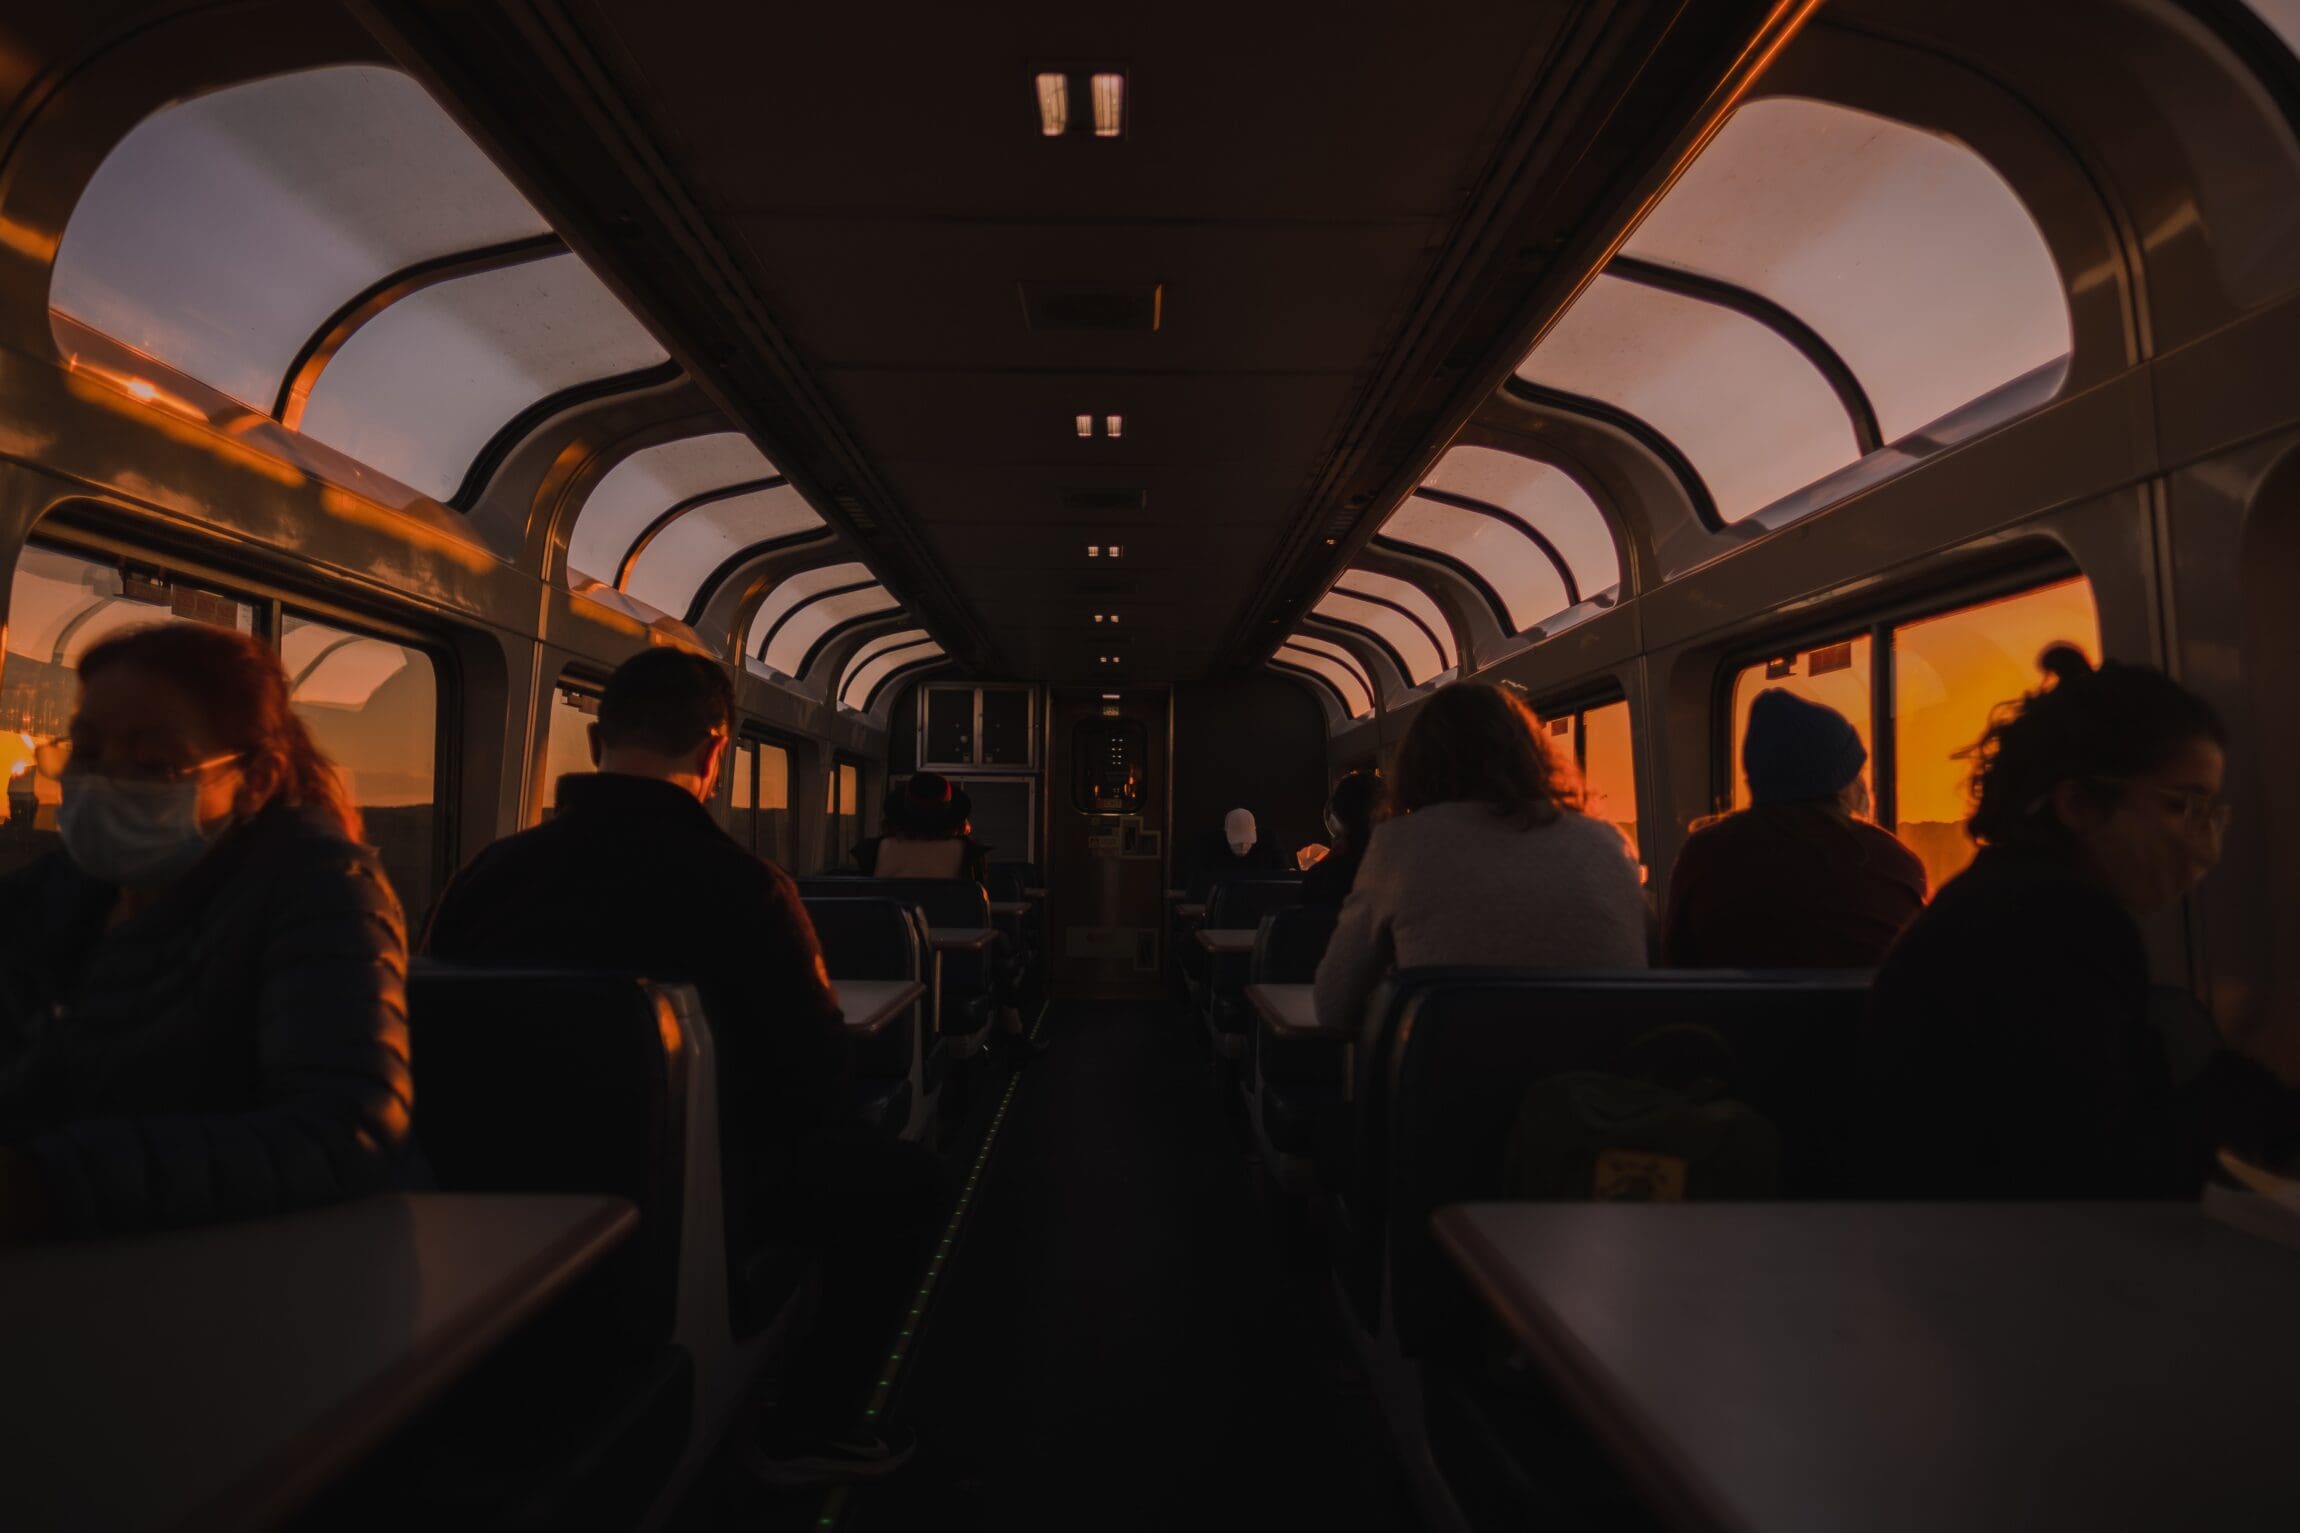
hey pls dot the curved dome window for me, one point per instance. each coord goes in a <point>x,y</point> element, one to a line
<point>1819,285</point>
<point>1408,599</point>
<point>876,663</point>
<point>1523,532</point>
<point>1332,665</point>
<point>667,517</point>
<point>805,608</point>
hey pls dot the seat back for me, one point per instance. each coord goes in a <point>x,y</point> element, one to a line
<point>872,939</point>
<point>1292,941</point>
<point>545,1080</point>
<point>1238,902</point>
<point>1468,1043</point>
<point>1009,879</point>
<point>946,901</point>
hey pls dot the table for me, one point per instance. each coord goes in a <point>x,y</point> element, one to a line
<point>1226,939</point>
<point>1033,894</point>
<point>221,1376</point>
<point>961,939</point>
<point>1191,910</point>
<point>1010,908</point>
<point>871,1005</point>
<point>1912,1366</point>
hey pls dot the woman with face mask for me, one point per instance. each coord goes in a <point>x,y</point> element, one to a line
<point>2009,1051</point>
<point>203,993</point>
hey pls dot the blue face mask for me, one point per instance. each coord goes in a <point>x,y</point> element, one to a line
<point>133,833</point>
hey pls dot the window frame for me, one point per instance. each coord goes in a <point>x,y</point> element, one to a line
<point>76,530</point>
<point>759,737</point>
<point>1876,624</point>
<point>976,766</point>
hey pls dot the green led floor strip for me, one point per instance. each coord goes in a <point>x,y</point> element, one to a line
<point>835,1504</point>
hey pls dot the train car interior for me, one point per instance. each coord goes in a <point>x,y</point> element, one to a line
<point>1115,437</point>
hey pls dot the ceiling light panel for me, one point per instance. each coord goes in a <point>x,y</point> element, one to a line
<point>1053,103</point>
<point>1109,105</point>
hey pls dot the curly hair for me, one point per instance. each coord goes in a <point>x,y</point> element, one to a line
<point>2088,725</point>
<point>1479,744</point>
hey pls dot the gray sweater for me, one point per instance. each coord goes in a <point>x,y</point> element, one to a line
<point>1454,884</point>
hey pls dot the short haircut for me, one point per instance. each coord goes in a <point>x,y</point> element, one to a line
<point>668,701</point>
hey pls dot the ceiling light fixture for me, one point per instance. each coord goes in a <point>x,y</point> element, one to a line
<point>1097,617</point>
<point>1053,103</point>
<point>1093,550</point>
<point>1117,550</point>
<point>1109,105</point>
<point>1114,426</point>
<point>1110,697</point>
<point>1085,425</point>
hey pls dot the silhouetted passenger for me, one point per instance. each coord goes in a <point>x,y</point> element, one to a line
<point>634,873</point>
<point>203,993</point>
<point>929,833</point>
<point>1237,847</point>
<point>1801,879</point>
<point>1350,822</point>
<point>1486,858</point>
<point>2009,1051</point>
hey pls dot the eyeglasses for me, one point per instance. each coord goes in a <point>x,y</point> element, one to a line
<point>2198,808</point>
<point>82,763</point>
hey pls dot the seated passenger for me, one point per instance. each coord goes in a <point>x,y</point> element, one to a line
<point>203,992</point>
<point>1486,859</point>
<point>929,833</point>
<point>1237,847</point>
<point>1800,879</point>
<point>1350,821</point>
<point>2008,1051</point>
<point>634,873</point>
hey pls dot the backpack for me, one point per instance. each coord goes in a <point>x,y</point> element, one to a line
<point>1598,1136</point>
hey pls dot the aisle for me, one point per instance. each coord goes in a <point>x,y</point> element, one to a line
<point>1118,1345</point>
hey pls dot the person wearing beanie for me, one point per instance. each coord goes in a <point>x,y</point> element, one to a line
<point>1800,879</point>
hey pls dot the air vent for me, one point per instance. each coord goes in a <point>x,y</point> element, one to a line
<point>1104,587</point>
<point>1092,305</point>
<point>1105,498</point>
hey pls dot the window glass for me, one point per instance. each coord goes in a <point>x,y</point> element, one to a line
<point>2283,18</point>
<point>223,231</point>
<point>671,570</point>
<point>788,650</point>
<point>742,771</point>
<point>1005,816</point>
<point>1546,499</point>
<point>949,726</point>
<point>1521,575</point>
<point>1609,768</point>
<point>1006,726</point>
<point>1342,676</point>
<point>1388,588</point>
<point>881,658</point>
<point>793,590</point>
<point>424,385</point>
<point>1836,675</point>
<point>566,743</point>
<point>1754,418</point>
<point>1948,673</point>
<point>372,706</point>
<point>771,834</point>
<point>1420,653</point>
<point>846,822</point>
<point>648,483</point>
<point>59,606</point>
<point>1905,251</point>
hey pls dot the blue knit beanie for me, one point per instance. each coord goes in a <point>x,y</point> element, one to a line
<point>1796,750</point>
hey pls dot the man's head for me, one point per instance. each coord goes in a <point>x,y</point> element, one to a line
<point>1238,829</point>
<point>1801,752</point>
<point>665,714</point>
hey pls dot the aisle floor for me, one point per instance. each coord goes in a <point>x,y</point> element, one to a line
<point>1119,1342</point>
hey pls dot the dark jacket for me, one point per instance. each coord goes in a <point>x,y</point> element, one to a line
<point>1216,859</point>
<point>1789,886</point>
<point>2008,1051</point>
<point>1328,881</point>
<point>237,1048</point>
<point>635,874</point>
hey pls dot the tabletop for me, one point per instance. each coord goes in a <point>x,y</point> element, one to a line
<point>960,939</point>
<point>1291,1012</point>
<point>1191,910</point>
<point>1011,907</point>
<point>1221,939</point>
<point>1912,1366</point>
<point>219,1377</point>
<point>870,1005</point>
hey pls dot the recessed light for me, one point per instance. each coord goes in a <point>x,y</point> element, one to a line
<point>1053,103</point>
<point>1086,425</point>
<point>1109,105</point>
<point>1117,550</point>
<point>1113,617</point>
<point>1110,697</point>
<point>1097,617</point>
<point>1093,550</point>
<point>1114,426</point>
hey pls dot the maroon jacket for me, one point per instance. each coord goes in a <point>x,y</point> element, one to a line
<point>1789,886</point>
